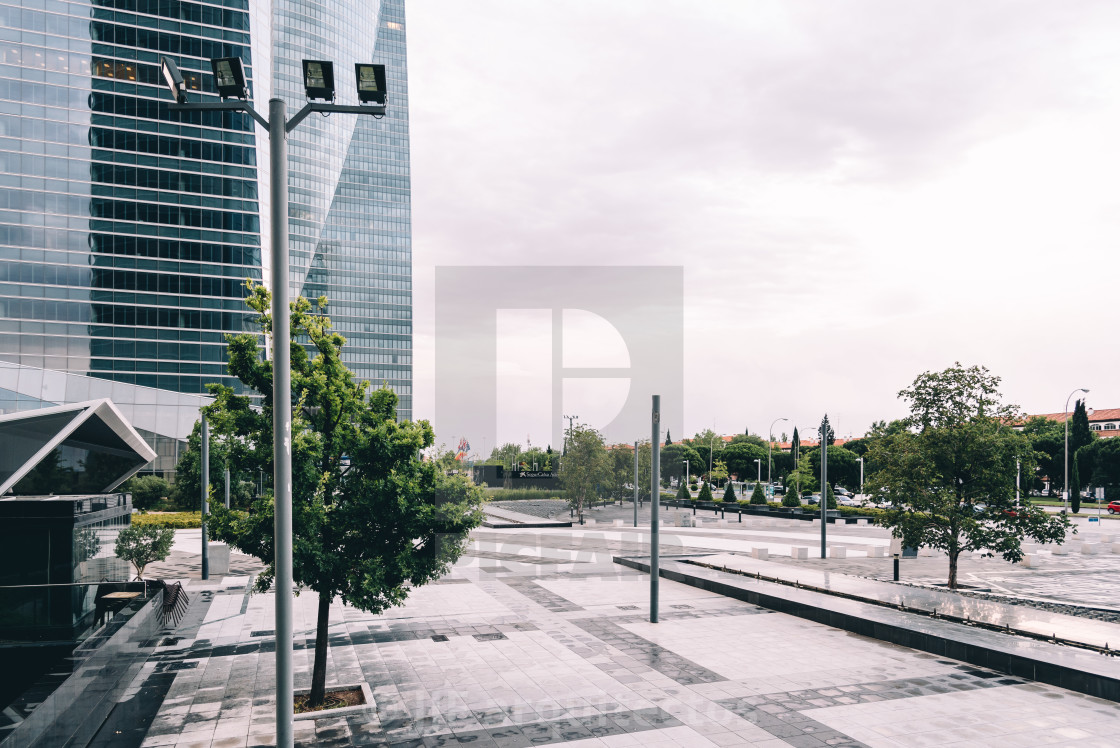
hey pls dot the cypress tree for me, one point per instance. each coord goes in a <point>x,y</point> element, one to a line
<point>729,495</point>
<point>705,493</point>
<point>757,495</point>
<point>831,497</point>
<point>682,492</point>
<point>1074,487</point>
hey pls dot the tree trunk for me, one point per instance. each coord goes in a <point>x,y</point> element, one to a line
<point>319,671</point>
<point>953,554</point>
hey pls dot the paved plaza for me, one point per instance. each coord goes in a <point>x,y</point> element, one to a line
<point>536,637</point>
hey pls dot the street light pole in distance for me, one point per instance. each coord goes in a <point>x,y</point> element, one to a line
<point>229,77</point>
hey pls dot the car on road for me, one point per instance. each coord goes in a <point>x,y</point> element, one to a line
<point>1113,507</point>
<point>847,500</point>
<point>814,499</point>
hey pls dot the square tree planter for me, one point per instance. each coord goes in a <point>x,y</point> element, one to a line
<point>367,694</point>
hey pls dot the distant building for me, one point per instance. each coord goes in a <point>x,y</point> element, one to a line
<point>1104,421</point>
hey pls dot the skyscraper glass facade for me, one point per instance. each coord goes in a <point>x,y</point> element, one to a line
<point>350,214</point>
<point>126,230</point>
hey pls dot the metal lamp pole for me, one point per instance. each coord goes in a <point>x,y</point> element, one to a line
<point>687,474</point>
<point>758,463</point>
<point>860,475</point>
<point>278,126</point>
<point>1065,475</point>
<point>824,487</point>
<point>769,459</point>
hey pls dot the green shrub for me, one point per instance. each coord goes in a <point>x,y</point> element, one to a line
<point>682,493</point>
<point>831,497</point>
<point>705,493</point>
<point>729,493</point>
<point>173,520</point>
<point>140,545</point>
<point>791,499</point>
<point>758,496</point>
<point>148,491</point>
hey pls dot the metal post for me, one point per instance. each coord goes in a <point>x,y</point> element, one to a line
<point>205,472</point>
<point>655,500</point>
<point>824,487</point>
<point>282,420</point>
<point>227,488</point>
<point>896,568</point>
<point>635,484</point>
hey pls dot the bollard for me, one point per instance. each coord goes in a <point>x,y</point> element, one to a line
<point>896,568</point>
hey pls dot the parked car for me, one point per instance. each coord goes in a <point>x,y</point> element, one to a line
<point>841,491</point>
<point>847,500</point>
<point>1113,507</point>
<point>814,498</point>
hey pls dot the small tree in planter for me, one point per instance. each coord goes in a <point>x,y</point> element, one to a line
<point>140,545</point>
<point>682,493</point>
<point>705,493</point>
<point>758,496</point>
<point>729,494</point>
<point>831,497</point>
<point>791,499</point>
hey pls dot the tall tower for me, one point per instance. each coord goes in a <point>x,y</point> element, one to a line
<point>350,194</point>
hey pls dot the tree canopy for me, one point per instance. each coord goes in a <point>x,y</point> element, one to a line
<point>371,519</point>
<point>949,474</point>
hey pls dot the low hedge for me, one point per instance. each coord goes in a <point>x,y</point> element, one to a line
<point>174,520</point>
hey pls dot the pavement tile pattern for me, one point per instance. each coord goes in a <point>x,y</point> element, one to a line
<point>513,649</point>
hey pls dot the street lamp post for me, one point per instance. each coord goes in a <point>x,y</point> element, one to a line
<point>769,460</point>
<point>686,474</point>
<point>758,464</point>
<point>860,476</point>
<point>1065,475</point>
<point>319,82</point>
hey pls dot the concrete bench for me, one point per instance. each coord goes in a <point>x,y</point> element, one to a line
<point>1029,561</point>
<point>799,551</point>
<point>588,521</point>
<point>838,552</point>
<point>697,522</point>
<point>1091,549</point>
<point>926,553</point>
<point>876,551</point>
<point>1116,547</point>
<point>861,522</point>
<point>760,553</point>
<point>1058,550</point>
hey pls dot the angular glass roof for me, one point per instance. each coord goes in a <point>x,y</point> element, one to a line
<point>82,448</point>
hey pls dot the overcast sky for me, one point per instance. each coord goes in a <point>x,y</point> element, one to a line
<point>857,191</point>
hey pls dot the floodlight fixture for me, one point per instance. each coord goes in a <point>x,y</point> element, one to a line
<point>371,83</point>
<point>174,79</point>
<point>229,77</point>
<point>318,79</point>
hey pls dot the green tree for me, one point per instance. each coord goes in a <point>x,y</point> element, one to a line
<point>1047,441</point>
<point>719,472</point>
<point>668,439</point>
<point>141,545</point>
<point>706,492</point>
<point>831,501</point>
<point>371,519</point>
<point>843,466</point>
<point>950,475</point>
<point>147,490</point>
<point>672,461</point>
<point>791,498</point>
<point>740,459</point>
<point>729,494</point>
<point>585,466</point>
<point>1079,436</point>
<point>758,496</point>
<point>1100,460</point>
<point>621,480</point>
<point>506,455</point>
<point>682,492</point>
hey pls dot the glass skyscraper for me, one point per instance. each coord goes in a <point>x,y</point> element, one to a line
<point>349,217</point>
<point>127,230</point>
